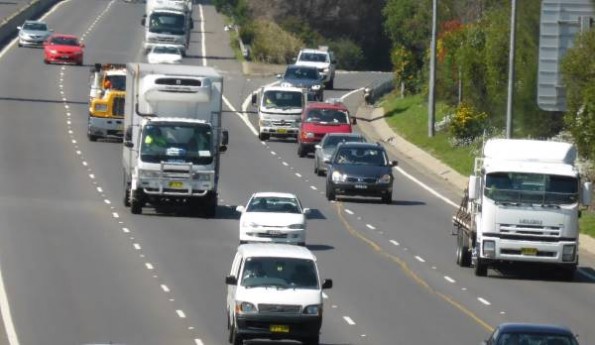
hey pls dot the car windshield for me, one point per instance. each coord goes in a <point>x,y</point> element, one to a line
<point>65,41</point>
<point>535,339</point>
<point>360,156</point>
<point>274,204</point>
<point>314,57</point>
<point>35,27</point>
<point>333,140</point>
<point>302,73</point>
<point>280,273</point>
<point>510,187</point>
<point>327,116</point>
<point>166,50</point>
<point>118,82</point>
<point>176,143</point>
<point>283,99</point>
<point>165,23</point>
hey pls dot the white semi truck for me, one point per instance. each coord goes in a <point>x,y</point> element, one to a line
<point>167,22</point>
<point>279,111</point>
<point>173,137</point>
<point>522,205</point>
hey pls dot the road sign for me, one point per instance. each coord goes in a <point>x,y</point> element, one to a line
<point>561,21</point>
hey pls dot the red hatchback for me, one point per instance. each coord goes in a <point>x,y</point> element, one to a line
<point>320,118</point>
<point>63,49</point>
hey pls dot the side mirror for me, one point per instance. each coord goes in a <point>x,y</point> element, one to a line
<point>306,211</point>
<point>293,59</point>
<point>327,284</point>
<point>317,146</point>
<point>18,28</point>
<point>128,144</point>
<point>586,193</point>
<point>222,148</point>
<point>224,137</point>
<point>474,187</point>
<point>231,280</point>
<point>279,76</point>
<point>393,163</point>
<point>142,22</point>
<point>254,99</point>
<point>240,209</point>
<point>353,121</point>
<point>128,134</point>
<point>82,45</point>
<point>327,161</point>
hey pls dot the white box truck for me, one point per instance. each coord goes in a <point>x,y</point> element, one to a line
<point>522,205</point>
<point>167,22</point>
<point>279,111</point>
<point>173,137</point>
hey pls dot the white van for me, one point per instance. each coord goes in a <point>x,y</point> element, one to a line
<point>274,292</point>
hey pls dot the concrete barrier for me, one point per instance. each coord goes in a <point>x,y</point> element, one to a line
<point>35,8</point>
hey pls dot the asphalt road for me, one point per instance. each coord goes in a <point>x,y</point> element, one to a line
<point>79,268</point>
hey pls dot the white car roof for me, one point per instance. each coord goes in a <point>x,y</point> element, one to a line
<point>275,250</point>
<point>274,195</point>
<point>282,88</point>
<point>317,51</point>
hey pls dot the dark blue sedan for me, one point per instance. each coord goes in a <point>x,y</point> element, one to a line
<point>531,334</point>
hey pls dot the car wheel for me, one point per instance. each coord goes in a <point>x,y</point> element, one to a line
<point>211,205</point>
<point>388,198</point>
<point>331,84</point>
<point>330,194</point>
<point>20,45</point>
<point>312,341</point>
<point>301,151</point>
<point>481,269</point>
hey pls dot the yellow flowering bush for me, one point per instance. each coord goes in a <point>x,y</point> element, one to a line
<point>467,123</point>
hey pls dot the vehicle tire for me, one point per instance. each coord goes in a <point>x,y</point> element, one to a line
<point>263,136</point>
<point>481,269</point>
<point>20,45</point>
<point>210,207</point>
<point>243,242</point>
<point>312,341</point>
<point>567,274</point>
<point>463,253</point>
<point>301,151</point>
<point>331,84</point>
<point>136,204</point>
<point>330,194</point>
<point>316,166</point>
<point>301,244</point>
<point>127,196</point>
<point>46,62</point>
<point>321,172</point>
<point>388,198</point>
<point>92,137</point>
<point>234,337</point>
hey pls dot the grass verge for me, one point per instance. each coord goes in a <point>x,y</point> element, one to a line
<point>587,223</point>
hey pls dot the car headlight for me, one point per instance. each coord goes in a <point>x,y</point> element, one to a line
<point>338,177</point>
<point>53,51</point>
<point>308,135</point>
<point>315,87</point>
<point>325,70</point>
<point>384,179</point>
<point>100,107</point>
<point>315,309</point>
<point>245,307</point>
<point>296,226</point>
<point>249,224</point>
<point>148,174</point>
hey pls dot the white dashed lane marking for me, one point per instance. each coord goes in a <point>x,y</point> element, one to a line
<point>394,242</point>
<point>180,313</point>
<point>419,258</point>
<point>313,188</point>
<point>285,163</point>
<point>136,246</point>
<point>115,215</point>
<point>349,320</point>
<point>150,267</point>
<point>348,211</point>
<point>298,174</point>
<point>371,227</point>
<point>484,301</point>
<point>449,279</point>
<point>164,288</point>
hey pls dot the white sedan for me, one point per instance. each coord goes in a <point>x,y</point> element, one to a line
<point>273,217</point>
<point>165,54</point>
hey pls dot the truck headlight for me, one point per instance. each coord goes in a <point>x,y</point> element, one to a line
<point>338,177</point>
<point>148,174</point>
<point>296,226</point>
<point>384,179</point>
<point>265,123</point>
<point>568,252</point>
<point>489,249</point>
<point>315,309</point>
<point>202,177</point>
<point>315,87</point>
<point>245,307</point>
<point>100,107</point>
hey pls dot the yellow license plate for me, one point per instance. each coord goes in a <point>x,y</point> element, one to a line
<point>279,329</point>
<point>281,131</point>
<point>529,251</point>
<point>120,128</point>
<point>176,184</point>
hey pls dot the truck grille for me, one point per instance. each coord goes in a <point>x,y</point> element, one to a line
<point>279,308</point>
<point>529,230</point>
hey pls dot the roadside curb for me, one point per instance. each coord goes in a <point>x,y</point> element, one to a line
<point>372,122</point>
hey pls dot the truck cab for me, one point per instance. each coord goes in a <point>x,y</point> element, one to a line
<point>167,22</point>
<point>319,119</point>
<point>106,102</point>
<point>279,111</point>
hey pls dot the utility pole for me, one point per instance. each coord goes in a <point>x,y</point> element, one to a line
<point>431,97</point>
<point>511,54</point>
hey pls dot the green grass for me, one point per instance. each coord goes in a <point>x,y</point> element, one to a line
<point>409,118</point>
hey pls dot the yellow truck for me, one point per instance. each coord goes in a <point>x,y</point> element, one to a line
<point>106,101</point>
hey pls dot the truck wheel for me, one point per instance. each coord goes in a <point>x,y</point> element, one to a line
<point>91,137</point>
<point>463,253</point>
<point>136,204</point>
<point>301,151</point>
<point>210,207</point>
<point>567,274</point>
<point>263,136</point>
<point>481,269</point>
<point>331,84</point>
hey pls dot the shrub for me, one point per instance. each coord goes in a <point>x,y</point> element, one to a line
<point>349,55</point>
<point>271,44</point>
<point>467,124</point>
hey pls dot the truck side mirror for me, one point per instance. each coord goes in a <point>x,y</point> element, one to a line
<point>128,134</point>
<point>327,284</point>
<point>224,137</point>
<point>142,22</point>
<point>231,280</point>
<point>254,99</point>
<point>474,187</point>
<point>586,193</point>
<point>128,144</point>
<point>191,24</point>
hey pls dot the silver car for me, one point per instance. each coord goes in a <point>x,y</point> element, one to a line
<point>33,33</point>
<point>327,146</point>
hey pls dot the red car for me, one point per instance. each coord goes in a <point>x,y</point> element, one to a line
<point>63,49</point>
<point>320,118</point>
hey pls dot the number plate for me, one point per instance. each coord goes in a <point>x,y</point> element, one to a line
<point>529,251</point>
<point>120,127</point>
<point>361,186</point>
<point>176,184</point>
<point>279,329</point>
<point>281,131</point>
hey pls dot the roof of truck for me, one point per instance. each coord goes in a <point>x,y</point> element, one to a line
<point>177,70</point>
<point>525,150</point>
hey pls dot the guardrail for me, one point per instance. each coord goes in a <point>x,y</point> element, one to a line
<point>8,27</point>
<point>377,89</point>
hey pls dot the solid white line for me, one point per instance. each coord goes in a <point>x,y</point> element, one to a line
<point>181,313</point>
<point>198,342</point>
<point>424,186</point>
<point>149,266</point>
<point>203,44</point>
<point>136,246</point>
<point>348,211</point>
<point>394,242</point>
<point>313,187</point>
<point>6,317</point>
<point>349,320</point>
<point>371,227</point>
<point>484,301</point>
<point>351,93</point>
<point>164,288</point>
<point>449,279</point>
<point>419,258</point>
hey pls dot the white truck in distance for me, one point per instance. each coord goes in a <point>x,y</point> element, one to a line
<point>173,137</point>
<point>522,206</point>
<point>167,22</point>
<point>279,111</point>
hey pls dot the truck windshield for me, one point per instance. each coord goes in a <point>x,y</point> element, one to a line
<point>282,99</point>
<point>527,188</point>
<point>117,82</point>
<point>167,23</point>
<point>280,273</point>
<point>174,142</point>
